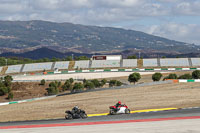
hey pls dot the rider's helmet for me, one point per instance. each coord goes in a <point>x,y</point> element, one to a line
<point>119,102</point>
<point>76,107</point>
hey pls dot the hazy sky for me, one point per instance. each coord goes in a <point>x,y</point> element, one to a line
<point>174,19</point>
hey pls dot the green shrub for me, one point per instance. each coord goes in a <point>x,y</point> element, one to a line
<point>118,83</point>
<point>5,85</point>
<point>172,76</point>
<point>8,80</point>
<point>185,76</point>
<point>115,83</point>
<point>96,83</point>
<point>3,90</point>
<point>89,85</point>
<point>112,83</point>
<point>77,87</point>
<point>103,82</point>
<point>84,81</point>
<point>10,95</point>
<point>42,82</point>
<point>196,74</point>
<point>71,80</point>
<point>67,85</point>
<point>134,77</point>
<point>156,76</point>
<point>53,88</point>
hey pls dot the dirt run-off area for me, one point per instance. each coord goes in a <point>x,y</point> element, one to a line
<point>158,96</point>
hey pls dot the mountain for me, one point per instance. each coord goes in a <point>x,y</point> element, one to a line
<point>42,53</point>
<point>24,36</point>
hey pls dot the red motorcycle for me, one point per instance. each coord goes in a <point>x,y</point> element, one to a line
<point>123,109</point>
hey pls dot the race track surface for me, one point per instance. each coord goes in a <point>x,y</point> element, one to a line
<point>188,112</point>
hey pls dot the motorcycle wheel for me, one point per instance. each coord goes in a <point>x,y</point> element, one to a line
<point>83,116</point>
<point>68,116</point>
<point>127,111</point>
<point>112,112</point>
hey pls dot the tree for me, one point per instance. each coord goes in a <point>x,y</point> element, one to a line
<point>134,77</point>
<point>71,80</point>
<point>156,76</point>
<point>112,83</point>
<point>67,85</point>
<point>172,76</point>
<point>118,83</point>
<point>53,88</point>
<point>185,76</point>
<point>196,74</point>
<point>42,82</point>
<point>84,81</point>
<point>132,57</point>
<point>77,87</point>
<point>96,83</point>
<point>103,82</point>
<point>5,85</point>
<point>89,85</point>
<point>8,80</point>
<point>10,95</point>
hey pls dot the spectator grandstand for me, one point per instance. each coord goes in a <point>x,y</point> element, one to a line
<point>82,64</point>
<point>129,62</point>
<point>37,67</point>
<point>62,65</point>
<point>13,69</point>
<point>105,63</point>
<point>195,61</point>
<point>174,62</point>
<point>150,62</point>
<point>86,64</point>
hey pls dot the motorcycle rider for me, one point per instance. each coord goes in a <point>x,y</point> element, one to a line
<point>75,109</point>
<point>118,104</point>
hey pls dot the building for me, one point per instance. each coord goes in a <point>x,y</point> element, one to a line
<point>106,57</point>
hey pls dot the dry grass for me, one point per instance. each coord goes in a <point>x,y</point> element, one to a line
<point>158,96</point>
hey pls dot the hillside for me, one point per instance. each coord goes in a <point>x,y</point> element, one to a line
<point>42,53</point>
<point>17,36</point>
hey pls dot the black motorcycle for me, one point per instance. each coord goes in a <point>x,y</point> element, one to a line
<point>75,115</point>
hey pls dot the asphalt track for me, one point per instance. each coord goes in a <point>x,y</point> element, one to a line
<point>188,112</point>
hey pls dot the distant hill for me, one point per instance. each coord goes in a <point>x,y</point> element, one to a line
<point>49,53</point>
<point>42,53</point>
<point>15,36</point>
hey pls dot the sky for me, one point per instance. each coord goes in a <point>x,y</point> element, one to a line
<point>174,19</point>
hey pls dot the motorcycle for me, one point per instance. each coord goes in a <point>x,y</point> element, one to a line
<point>123,109</point>
<point>75,115</point>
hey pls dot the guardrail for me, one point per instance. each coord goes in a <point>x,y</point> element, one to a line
<point>118,70</point>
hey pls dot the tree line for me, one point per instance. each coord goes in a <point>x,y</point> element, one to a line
<point>18,60</point>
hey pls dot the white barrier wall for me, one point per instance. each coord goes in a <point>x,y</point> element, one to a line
<point>82,64</point>
<point>195,61</point>
<point>37,67</point>
<point>62,65</point>
<point>14,69</point>
<point>105,63</point>
<point>174,62</point>
<point>150,62</point>
<point>129,62</point>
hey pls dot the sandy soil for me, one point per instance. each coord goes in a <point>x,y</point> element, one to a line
<point>158,96</point>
